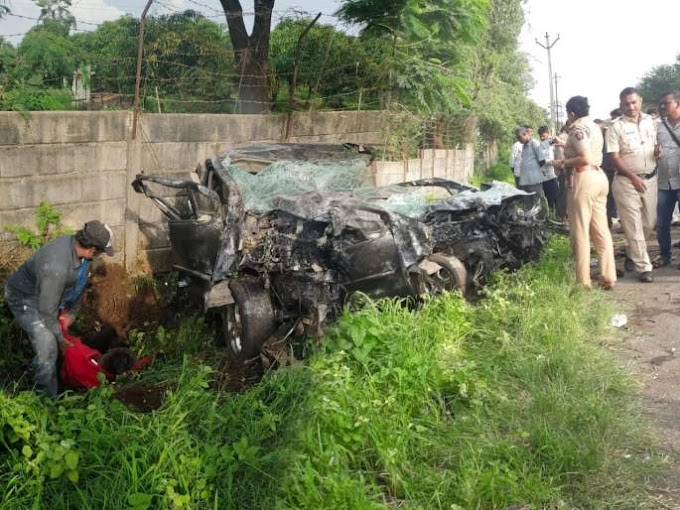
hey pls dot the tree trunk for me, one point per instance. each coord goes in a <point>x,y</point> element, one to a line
<point>251,54</point>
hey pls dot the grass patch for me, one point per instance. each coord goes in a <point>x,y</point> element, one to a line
<point>513,400</point>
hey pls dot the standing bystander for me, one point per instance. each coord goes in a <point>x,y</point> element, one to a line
<point>668,153</point>
<point>531,173</point>
<point>551,186</point>
<point>558,150</point>
<point>631,140</point>
<point>515,160</point>
<point>610,172</point>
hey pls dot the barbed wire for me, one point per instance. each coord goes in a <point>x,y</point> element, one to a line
<point>202,74</point>
<point>40,19</point>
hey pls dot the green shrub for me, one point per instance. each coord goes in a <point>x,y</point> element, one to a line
<point>27,98</point>
<point>48,222</point>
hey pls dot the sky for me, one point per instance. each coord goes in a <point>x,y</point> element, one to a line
<point>603,46</point>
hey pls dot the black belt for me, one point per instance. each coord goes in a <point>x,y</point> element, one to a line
<point>647,176</point>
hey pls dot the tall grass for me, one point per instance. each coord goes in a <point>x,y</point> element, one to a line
<point>513,400</point>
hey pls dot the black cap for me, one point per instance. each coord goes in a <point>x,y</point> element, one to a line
<point>99,235</point>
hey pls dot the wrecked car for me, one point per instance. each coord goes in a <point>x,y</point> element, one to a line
<point>280,234</point>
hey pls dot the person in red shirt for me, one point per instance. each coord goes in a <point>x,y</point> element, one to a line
<point>81,364</point>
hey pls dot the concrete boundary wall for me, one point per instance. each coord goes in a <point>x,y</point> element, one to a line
<point>82,163</point>
<point>454,164</point>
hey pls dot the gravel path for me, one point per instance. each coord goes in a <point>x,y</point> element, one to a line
<point>651,346</point>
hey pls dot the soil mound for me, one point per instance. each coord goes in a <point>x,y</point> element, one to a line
<point>123,302</point>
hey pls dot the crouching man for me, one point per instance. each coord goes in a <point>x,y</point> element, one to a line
<point>51,282</point>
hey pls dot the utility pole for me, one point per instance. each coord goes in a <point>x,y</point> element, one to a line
<point>548,46</point>
<point>557,106</point>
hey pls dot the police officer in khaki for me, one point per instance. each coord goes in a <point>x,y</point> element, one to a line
<point>587,194</point>
<point>630,141</point>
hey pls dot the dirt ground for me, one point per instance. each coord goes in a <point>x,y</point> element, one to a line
<point>126,303</point>
<point>651,349</point>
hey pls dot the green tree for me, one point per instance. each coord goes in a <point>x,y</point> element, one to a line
<point>500,75</point>
<point>334,66</point>
<point>111,50</point>
<point>56,14</point>
<point>660,80</point>
<point>7,58</point>
<point>45,56</point>
<point>29,80</point>
<point>187,58</point>
<point>34,75</point>
<point>428,38</point>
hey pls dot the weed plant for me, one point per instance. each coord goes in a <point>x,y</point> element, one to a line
<point>48,223</point>
<point>515,400</point>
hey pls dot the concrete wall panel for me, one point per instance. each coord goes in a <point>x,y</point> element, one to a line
<point>181,127</point>
<point>37,160</point>
<point>63,127</point>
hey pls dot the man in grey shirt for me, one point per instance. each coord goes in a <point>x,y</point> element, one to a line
<point>531,172</point>
<point>51,283</point>
<point>668,164</point>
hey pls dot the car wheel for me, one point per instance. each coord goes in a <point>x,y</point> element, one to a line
<point>450,276</point>
<point>249,321</point>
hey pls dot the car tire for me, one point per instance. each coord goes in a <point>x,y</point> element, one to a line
<point>249,321</point>
<point>451,276</point>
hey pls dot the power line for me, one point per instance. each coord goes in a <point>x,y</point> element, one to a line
<point>41,19</point>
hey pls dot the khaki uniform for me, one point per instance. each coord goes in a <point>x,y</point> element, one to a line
<point>587,204</point>
<point>561,206</point>
<point>634,142</point>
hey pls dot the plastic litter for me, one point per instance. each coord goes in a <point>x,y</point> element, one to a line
<point>619,320</point>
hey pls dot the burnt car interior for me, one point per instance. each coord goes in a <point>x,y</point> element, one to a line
<point>279,234</point>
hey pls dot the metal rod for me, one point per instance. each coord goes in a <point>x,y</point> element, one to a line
<point>138,76</point>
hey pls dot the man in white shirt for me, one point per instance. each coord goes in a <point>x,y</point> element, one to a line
<point>630,141</point>
<point>516,158</point>
<point>551,186</point>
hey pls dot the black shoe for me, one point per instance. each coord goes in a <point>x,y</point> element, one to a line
<point>628,265</point>
<point>661,262</point>
<point>646,277</point>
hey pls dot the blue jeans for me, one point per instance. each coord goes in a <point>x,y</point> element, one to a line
<point>44,343</point>
<point>667,198</point>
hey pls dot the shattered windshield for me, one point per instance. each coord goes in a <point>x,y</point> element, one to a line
<point>294,178</point>
<point>311,187</point>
